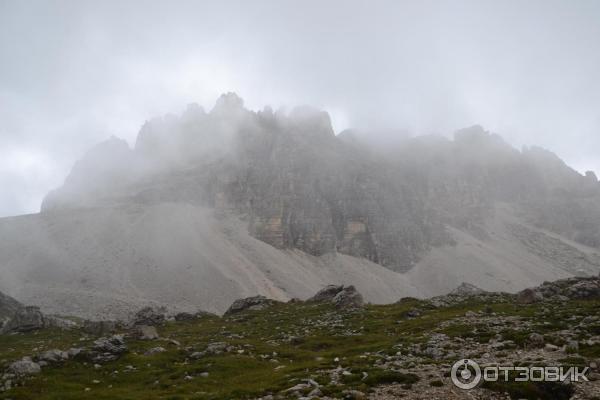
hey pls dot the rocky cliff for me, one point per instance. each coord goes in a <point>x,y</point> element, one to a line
<point>300,186</point>
<point>212,206</point>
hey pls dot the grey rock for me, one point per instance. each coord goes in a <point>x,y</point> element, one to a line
<point>24,367</point>
<point>150,316</point>
<point>74,352</point>
<point>348,297</point>
<point>146,332</point>
<point>216,348</point>
<point>250,303</point>
<point>584,290</point>
<point>326,294</point>
<point>529,296</point>
<point>155,350</point>
<point>341,296</point>
<point>26,319</point>
<point>108,349</point>
<point>53,356</point>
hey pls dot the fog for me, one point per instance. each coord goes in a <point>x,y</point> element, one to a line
<point>74,73</point>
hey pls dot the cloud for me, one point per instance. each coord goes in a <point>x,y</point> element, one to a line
<point>75,73</point>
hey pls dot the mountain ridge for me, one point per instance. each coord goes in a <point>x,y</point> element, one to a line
<point>282,205</point>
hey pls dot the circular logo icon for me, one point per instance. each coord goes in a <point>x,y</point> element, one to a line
<point>465,374</point>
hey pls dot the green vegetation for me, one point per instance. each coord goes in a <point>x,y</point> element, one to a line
<point>277,348</point>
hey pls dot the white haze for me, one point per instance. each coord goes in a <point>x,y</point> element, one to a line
<point>73,73</point>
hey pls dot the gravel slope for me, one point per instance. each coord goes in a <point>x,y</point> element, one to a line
<point>107,262</point>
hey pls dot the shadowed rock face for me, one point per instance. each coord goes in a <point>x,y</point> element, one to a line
<point>294,181</point>
<point>299,186</point>
<point>8,308</point>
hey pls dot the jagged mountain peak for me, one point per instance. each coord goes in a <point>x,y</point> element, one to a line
<point>326,186</point>
<point>229,101</point>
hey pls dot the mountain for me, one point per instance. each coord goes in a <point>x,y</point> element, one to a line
<point>211,206</point>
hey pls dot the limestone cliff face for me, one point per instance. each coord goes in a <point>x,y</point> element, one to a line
<point>297,185</point>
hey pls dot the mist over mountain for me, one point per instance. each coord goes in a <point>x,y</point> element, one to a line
<point>230,202</point>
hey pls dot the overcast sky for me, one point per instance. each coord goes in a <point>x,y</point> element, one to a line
<point>73,73</point>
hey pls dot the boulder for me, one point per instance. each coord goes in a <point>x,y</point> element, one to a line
<point>155,350</point>
<point>348,298</point>
<point>529,296</point>
<point>150,316</point>
<point>26,319</point>
<point>250,303</point>
<point>24,367</point>
<point>108,349</point>
<point>53,356</point>
<point>146,332</point>
<point>326,294</point>
<point>74,352</point>
<point>341,296</point>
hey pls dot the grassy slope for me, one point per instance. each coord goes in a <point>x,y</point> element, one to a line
<point>304,339</point>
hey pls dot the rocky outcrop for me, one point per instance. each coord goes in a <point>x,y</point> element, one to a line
<point>25,319</point>
<point>467,292</point>
<point>579,288</point>
<point>299,186</point>
<point>250,303</point>
<point>24,367</point>
<point>107,349</point>
<point>53,356</point>
<point>341,296</point>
